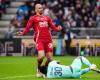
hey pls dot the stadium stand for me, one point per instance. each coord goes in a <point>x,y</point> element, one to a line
<point>78,13</point>
<point>81,17</point>
<point>10,12</point>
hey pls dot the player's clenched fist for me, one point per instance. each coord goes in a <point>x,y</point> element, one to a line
<point>59,27</point>
<point>20,33</point>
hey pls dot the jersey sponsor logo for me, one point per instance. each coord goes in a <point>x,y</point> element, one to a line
<point>38,19</point>
<point>43,24</point>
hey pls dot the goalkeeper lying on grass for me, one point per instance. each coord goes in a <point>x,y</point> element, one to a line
<point>56,70</point>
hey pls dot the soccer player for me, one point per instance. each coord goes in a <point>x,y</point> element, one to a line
<point>42,35</point>
<point>56,70</point>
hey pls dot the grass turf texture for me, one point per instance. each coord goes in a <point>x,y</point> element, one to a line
<point>24,68</point>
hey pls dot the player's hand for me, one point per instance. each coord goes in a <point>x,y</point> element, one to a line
<point>20,33</point>
<point>59,27</point>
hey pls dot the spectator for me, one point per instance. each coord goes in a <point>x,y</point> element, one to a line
<point>22,15</point>
<point>7,3</point>
<point>31,6</point>
<point>31,50</point>
<point>8,35</point>
<point>67,37</point>
<point>56,22</point>
<point>88,50</point>
<point>98,20</point>
<point>79,13</point>
<point>2,8</point>
<point>1,48</point>
<point>19,21</point>
<point>98,5</point>
<point>23,8</point>
<point>46,10</point>
<point>20,18</point>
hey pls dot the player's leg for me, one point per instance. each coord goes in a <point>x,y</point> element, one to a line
<point>85,61</point>
<point>86,70</point>
<point>49,58</point>
<point>49,53</point>
<point>43,70</point>
<point>79,61</point>
<point>77,64</point>
<point>40,48</point>
<point>92,67</point>
<point>40,58</point>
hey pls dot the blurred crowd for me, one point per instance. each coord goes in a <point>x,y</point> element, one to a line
<point>23,14</point>
<point>67,13</point>
<point>74,13</point>
<point>3,5</point>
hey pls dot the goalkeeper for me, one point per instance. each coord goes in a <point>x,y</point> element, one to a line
<point>56,70</point>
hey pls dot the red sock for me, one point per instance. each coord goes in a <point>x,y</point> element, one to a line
<point>39,63</point>
<point>47,62</point>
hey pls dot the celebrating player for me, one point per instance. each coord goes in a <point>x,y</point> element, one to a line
<point>56,70</point>
<point>42,35</point>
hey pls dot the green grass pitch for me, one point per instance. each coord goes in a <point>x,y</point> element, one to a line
<point>24,68</point>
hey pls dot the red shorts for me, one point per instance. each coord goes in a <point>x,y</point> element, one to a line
<point>46,46</point>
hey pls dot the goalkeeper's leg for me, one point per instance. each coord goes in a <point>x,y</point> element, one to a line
<point>79,61</point>
<point>84,61</point>
<point>86,70</point>
<point>92,67</point>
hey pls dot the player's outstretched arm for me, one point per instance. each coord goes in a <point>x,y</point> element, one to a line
<point>59,28</point>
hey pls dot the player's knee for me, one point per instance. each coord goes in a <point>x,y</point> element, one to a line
<point>49,59</point>
<point>41,54</point>
<point>79,57</point>
<point>41,58</point>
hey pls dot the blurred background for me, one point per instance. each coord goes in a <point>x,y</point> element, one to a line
<point>80,21</point>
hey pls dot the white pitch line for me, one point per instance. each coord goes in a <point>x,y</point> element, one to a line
<point>13,77</point>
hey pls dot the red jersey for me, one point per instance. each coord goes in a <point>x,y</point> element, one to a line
<point>41,25</point>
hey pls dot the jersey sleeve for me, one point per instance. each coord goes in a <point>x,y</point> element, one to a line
<point>28,26</point>
<point>51,24</point>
